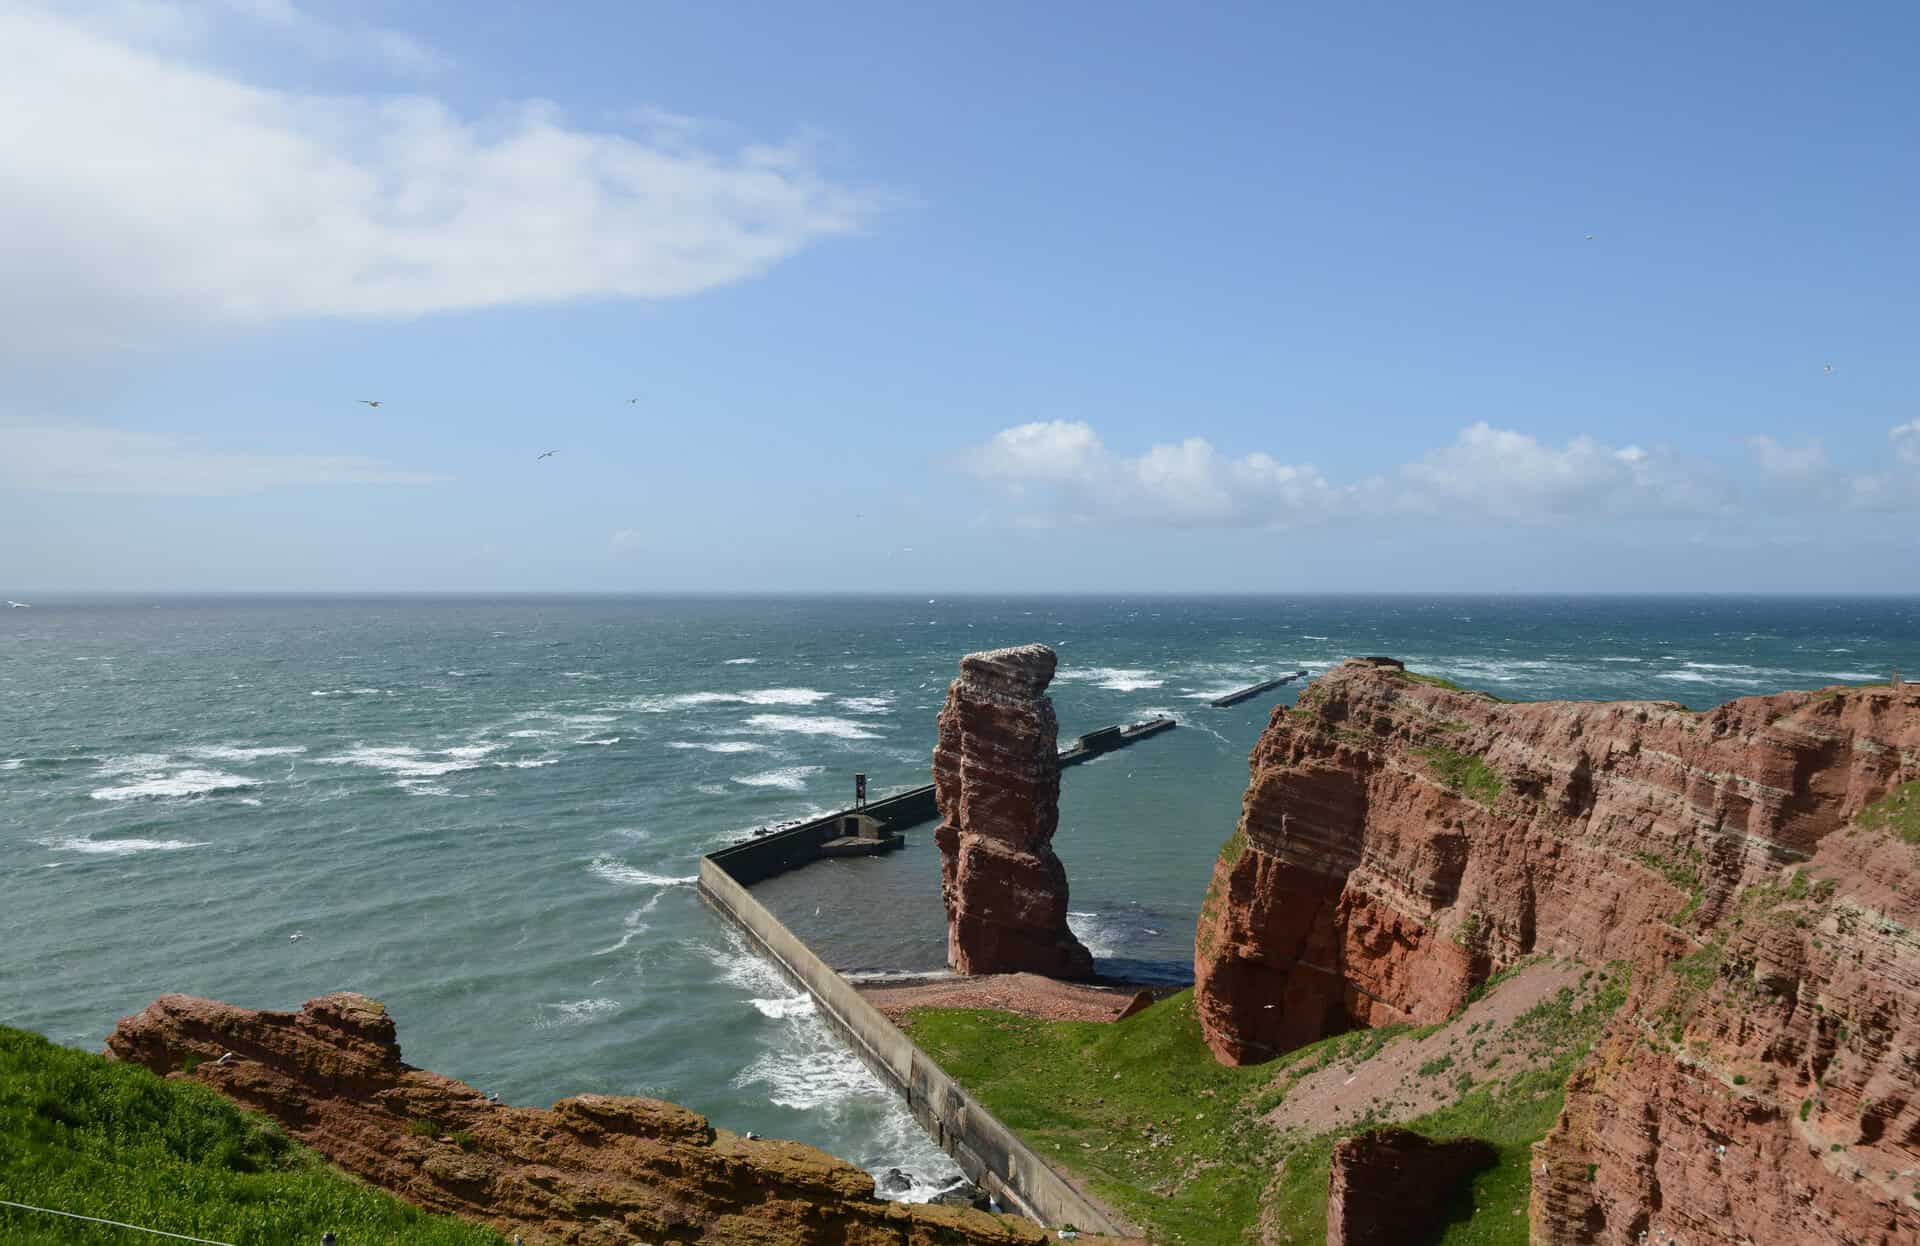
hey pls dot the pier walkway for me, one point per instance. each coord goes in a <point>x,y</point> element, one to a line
<point>1243,694</point>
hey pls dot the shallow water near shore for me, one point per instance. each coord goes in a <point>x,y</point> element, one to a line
<point>488,813</point>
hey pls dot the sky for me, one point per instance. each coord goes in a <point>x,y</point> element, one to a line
<point>990,297</point>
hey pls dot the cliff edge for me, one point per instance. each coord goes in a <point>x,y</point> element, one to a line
<point>594,1170</point>
<point>1403,839</point>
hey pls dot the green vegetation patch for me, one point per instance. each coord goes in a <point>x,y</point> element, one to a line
<point>1490,1208</point>
<point>1465,773</point>
<point>1897,813</point>
<point>1175,1142</point>
<point>1140,1107</point>
<point>84,1134</point>
<point>1436,681</point>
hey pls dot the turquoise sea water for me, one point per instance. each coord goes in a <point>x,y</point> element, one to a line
<point>487,813</point>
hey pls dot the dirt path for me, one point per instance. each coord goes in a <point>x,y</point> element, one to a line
<point>1028,994</point>
<point>1410,1079</point>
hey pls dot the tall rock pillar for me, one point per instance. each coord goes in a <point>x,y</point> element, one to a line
<point>996,779</point>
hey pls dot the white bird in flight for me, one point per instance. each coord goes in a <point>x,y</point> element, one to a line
<point>549,454</point>
<point>632,401</point>
<point>1829,369</point>
<point>18,605</point>
<point>371,402</point>
<point>295,937</point>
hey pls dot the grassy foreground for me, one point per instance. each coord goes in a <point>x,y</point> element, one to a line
<point>84,1134</point>
<point>1175,1142</point>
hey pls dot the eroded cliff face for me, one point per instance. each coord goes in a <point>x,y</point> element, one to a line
<point>594,1170</point>
<point>1403,840</point>
<point>996,776</point>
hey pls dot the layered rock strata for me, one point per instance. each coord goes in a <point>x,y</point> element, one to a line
<point>996,777</point>
<point>593,1170</point>
<point>1388,1187</point>
<point>1403,839</point>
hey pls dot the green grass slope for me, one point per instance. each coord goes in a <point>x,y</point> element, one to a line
<point>84,1134</point>
<point>1175,1141</point>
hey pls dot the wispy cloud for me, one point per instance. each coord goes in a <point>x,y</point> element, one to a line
<point>59,456</point>
<point>153,193</point>
<point>1060,472</point>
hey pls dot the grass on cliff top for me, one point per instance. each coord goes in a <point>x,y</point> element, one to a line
<point>84,1134</point>
<point>1437,681</point>
<point>1897,813</point>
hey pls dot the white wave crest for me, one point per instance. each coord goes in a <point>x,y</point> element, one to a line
<point>161,785</point>
<point>792,778</point>
<point>796,724</point>
<point>781,1008</point>
<point>631,876</point>
<point>868,705</point>
<point>527,763</point>
<point>240,752</point>
<point>530,733</point>
<point>12,763</point>
<point>133,763</point>
<point>1116,678</point>
<point>409,762</point>
<point>347,692</point>
<point>602,741</point>
<point>575,1012</point>
<point>719,746</point>
<point>740,661</point>
<point>118,847</point>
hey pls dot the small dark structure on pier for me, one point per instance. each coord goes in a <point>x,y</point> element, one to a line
<point>1243,694</point>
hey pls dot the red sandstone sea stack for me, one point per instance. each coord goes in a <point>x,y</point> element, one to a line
<point>996,775</point>
<point>1403,839</point>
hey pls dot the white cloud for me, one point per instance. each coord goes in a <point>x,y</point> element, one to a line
<point>66,457</point>
<point>1191,483</point>
<point>627,540</point>
<point>206,24</point>
<point>1808,474</point>
<point>1063,471</point>
<point>146,193</point>
<point>1906,444</point>
<point>1511,477</point>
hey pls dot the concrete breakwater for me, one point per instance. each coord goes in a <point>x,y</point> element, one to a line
<point>776,852</point>
<point>1243,694</point>
<point>991,1155</point>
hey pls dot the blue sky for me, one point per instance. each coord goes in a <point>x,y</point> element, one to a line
<point>998,297</point>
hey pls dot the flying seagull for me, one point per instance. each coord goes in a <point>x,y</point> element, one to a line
<point>371,402</point>
<point>1829,369</point>
<point>1589,237</point>
<point>295,937</point>
<point>549,454</point>
<point>18,605</point>
<point>632,401</point>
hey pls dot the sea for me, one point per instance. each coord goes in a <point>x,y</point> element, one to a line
<point>488,812</point>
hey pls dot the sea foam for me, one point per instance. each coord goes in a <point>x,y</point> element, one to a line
<point>792,778</point>
<point>630,876</point>
<point>840,728</point>
<point>161,785</point>
<point>118,847</point>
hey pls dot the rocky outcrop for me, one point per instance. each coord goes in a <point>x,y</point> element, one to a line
<point>1388,1187</point>
<point>996,777</point>
<point>1403,839</point>
<point>594,1170</point>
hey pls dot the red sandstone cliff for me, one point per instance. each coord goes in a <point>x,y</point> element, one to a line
<point>996,776</point>
<point>1402,840</point>
<point>593,1171</point>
